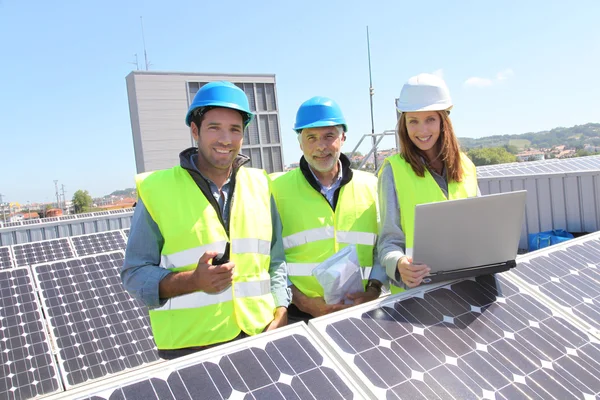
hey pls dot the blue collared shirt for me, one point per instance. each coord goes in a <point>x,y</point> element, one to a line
<point>328,192</point>
<point>141,273</point>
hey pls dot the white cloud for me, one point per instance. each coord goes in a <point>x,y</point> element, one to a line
<point>439,73</point>
<point>503,75</point>
<point>478,82</point>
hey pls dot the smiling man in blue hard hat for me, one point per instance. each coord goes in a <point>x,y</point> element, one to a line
<point>325,206</point>
<point>205,252</point>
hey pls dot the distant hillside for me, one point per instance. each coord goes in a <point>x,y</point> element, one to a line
<point>129,192</point>
<point>576,136</point>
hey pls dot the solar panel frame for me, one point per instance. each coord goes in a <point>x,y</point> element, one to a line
<point>7,259</point>
<point>82,324</point>
<point>418,373</point>
<point>102,240</point>
<point>551,291</point>
<point>25,348</point>
<point>221,362</point>
<point>63,244</point>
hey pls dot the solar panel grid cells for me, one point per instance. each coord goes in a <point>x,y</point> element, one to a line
<point>39,252</point>
<point>570,277</point>
<point>98,243</point>
<point>99,329</point>
<point>6,259</point>
<point>287,368</point>
<point>26,365</point>
<point>126,232</point>
<point>463,342</point>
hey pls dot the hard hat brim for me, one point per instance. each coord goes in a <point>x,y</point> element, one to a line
<point>221,104</point>
<point>320,124</point>
<point>429,107</point>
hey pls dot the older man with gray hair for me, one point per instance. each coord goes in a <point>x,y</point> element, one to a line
<point>325,206</point>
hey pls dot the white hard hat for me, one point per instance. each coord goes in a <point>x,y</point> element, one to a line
<point>424,92</point>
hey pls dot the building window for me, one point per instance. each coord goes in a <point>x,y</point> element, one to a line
<point>274,128</point>
<point>193,88</point>
<point>261,100</point>
<point>249,90</point>
<point>267,159</point>
<point>269,129</point>
<point>252,133</point>
<point>255,158</point>
<point>270,96</point>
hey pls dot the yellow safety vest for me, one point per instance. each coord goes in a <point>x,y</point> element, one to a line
<point>190,226</point>
<point>412,190</point>
<point>313,232</point>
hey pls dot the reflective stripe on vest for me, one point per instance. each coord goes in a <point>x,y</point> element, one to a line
<point>313,232</point>
<point>190,256</point>
<point>190,226</point>
<point>202,299</point>
<point>412,190</point>
<point>326,232</point>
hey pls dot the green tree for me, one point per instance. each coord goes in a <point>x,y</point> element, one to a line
<point>81,201</point>
<point>582,153</point>
<point>512,149</point>
<point>491,155</point>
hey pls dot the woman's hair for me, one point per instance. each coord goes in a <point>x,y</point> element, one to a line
<point>447,145</point>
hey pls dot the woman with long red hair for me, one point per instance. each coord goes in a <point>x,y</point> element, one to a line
<point>429,168</point>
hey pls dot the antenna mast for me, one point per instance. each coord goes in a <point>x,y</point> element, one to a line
<point>371,93</point>
<point>144,42</point>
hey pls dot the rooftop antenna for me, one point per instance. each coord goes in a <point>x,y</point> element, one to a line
<point>371,93</point>
<point>64,200</point>
<point>57,197</point>
<point>136,63</point>
<point>144,42</point>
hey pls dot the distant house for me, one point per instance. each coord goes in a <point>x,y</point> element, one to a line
<point>530,155</point>
<point>24,216</point>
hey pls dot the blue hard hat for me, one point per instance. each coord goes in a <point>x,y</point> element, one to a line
<point>221,94</point>
<point>317,112</point>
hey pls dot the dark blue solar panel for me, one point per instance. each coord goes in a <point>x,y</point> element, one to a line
<point>45,251</point>
<point>470,340</point>
<point>570,276</point>
<point>290,367</point>
<point>98,328</point>
<point>97,243</point>
<point>6,258</point>
<point>27,367</point>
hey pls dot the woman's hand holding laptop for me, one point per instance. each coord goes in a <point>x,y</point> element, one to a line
<point>412,274</point>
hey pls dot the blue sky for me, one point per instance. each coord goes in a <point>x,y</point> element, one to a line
<point>512,67</point>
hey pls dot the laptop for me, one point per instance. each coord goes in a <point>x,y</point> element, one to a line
<point>468,237</point>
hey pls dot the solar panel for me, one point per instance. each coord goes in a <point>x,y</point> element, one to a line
<point>6,258</point>
<point>96,243</point>
<point>44,251</point>
<point>36,221</point>
<point>579,164</point>
<point>85,215</point>
<point>97,327</point>
<point>27,365</point>
<point>569,275</point>
<point>287,363</point>
<point>126,232</point>
<point>468,340</point>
